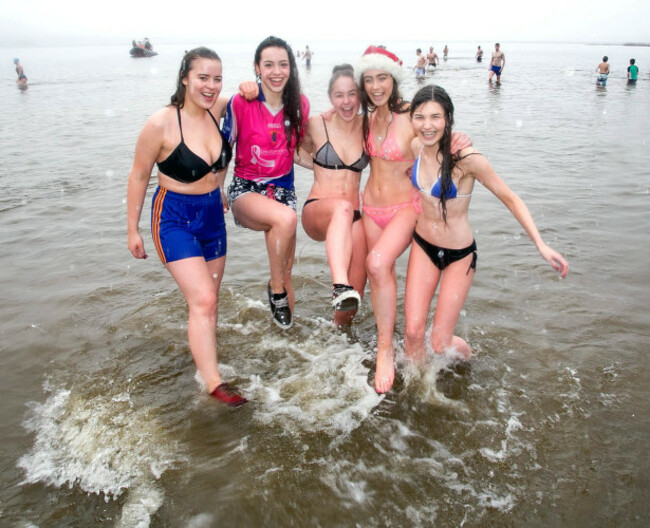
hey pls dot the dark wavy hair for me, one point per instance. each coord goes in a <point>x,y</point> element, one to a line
<point>395,104</point>
<point>340,70</point>
<point>291,94</point>
<point>439,95</point>
<point>178,99</point>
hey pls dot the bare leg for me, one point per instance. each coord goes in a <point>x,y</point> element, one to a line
<point>330,219</point>
<point>454,287</point>
<point>357,270</point>
<point>422,278</point>
<point>200,281</point>
<point>279,225</point>
<point>384,249</point>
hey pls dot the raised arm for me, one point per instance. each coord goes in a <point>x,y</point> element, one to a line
<point>481,169</point>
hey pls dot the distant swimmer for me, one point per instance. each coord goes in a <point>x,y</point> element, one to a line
<point>307,56</point>
<point>432,58</point>
<point>632,72</point>
<point>21,81</point>
<point>603,72</point>
<point>479,55</point>
<point>420,64</point>
<point>497,63</point>
<point>445,52</point>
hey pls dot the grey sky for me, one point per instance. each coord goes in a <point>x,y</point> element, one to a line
<point>42,21</point>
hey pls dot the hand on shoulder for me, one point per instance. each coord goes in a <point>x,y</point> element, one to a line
<point>467,151</point>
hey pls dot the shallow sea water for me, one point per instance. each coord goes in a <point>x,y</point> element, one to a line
<point>104,424</point>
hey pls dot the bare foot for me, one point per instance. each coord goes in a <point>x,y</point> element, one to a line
<point>385,372</point>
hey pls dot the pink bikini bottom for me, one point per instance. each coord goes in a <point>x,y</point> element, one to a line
<point>383,215</point>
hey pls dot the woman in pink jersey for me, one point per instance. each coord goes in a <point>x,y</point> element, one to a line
<point>268,131</point>
<point>390,204</point>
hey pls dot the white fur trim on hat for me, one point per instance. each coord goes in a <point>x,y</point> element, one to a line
<point>377,58</point>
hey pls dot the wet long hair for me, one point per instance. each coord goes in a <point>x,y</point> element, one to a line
<point>395,104</point>
<point>291,101</point>
<point>340,70</point>
<point>439,95</point>
<point>178,99</point>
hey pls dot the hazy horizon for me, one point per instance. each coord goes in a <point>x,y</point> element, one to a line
<point>72,22</point>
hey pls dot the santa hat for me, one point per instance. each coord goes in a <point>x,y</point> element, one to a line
<point>379,58</point>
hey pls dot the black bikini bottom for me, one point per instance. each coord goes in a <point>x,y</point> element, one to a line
<point>356,216</point>
<point>442,257</point>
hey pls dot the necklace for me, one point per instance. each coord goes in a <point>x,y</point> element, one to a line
<point>390,120</point>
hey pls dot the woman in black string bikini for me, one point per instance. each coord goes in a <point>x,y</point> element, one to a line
<point>444,251</point>
<point>331,212</point>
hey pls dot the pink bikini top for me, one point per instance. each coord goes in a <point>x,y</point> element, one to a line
<point>389,149</point>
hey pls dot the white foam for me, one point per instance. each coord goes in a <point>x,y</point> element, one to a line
<point>141,504</point>
<point>202,520</point>
<point>321,386</point>
<point>99,444</point>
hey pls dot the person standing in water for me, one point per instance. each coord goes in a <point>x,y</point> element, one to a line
<point>307,56</point>
<point>432,58</point>
<point>497,63</point>
<point>444,253</point>
<point>268,132</point>
<point>331,212</point>
<point>479,54</point>
<point>21,81</point>
<point>187,213</point>
<point>632,72</point>
<point>603,72</point>
<point>445,52</point>
<point>420,64</point>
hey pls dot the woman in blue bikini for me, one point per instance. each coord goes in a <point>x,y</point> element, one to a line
<point>444,252</point>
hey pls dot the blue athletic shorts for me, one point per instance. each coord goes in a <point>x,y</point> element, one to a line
<point>188,225</point>
<point>496,69</point>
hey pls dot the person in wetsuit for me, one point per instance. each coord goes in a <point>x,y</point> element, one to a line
<point>187,213</point>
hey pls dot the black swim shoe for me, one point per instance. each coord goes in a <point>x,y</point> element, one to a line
<point>280,310</point>
<point>345,298</point>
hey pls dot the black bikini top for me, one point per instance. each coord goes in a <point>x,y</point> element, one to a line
<point>186,167</point>
<point>328,158</point>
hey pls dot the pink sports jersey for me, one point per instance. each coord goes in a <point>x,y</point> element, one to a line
<point>262,154</point>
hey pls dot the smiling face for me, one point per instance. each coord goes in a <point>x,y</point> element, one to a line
<point>203,82</point>
<point>344,97</point>
<point>274,69</point>
<point>378,85</point>
<point>428,121</point>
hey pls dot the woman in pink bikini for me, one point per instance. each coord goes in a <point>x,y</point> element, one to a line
<point>390,203</point>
